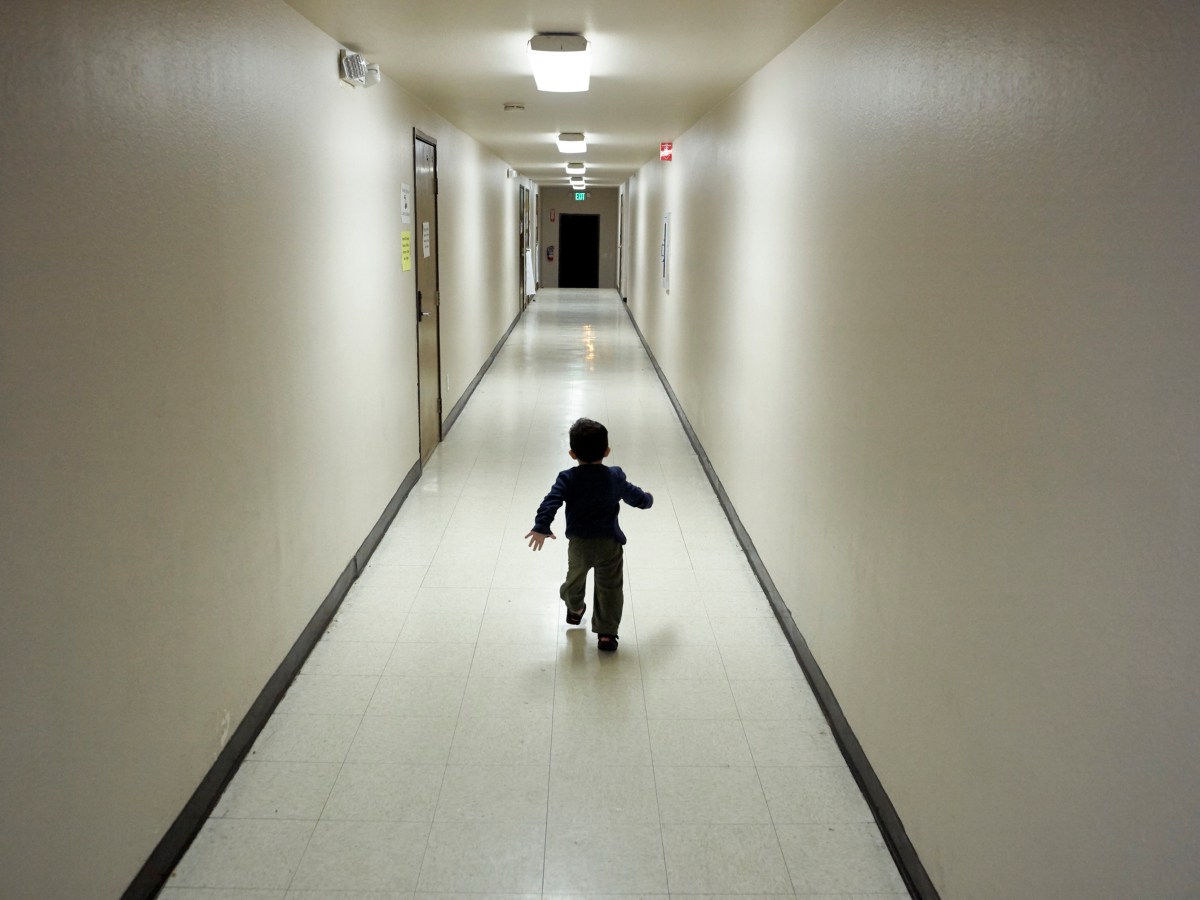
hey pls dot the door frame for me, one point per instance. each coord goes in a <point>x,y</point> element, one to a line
<point>419,260</point>
<point>524,240</point>
<point>621,242</point>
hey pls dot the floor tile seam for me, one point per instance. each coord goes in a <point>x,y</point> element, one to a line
<point>555,718</point>
<point>474,646</point>
<point>741,724</point>
<point>474,655</point>
<point>395,646</point>
<point>332,787</point>
<point>657,797</point>
<point>662,842</point>
<point>291,876</point>
<point>266,818</point>
<point>770,811</point>
<point>549,772</point>
<point>441,786</point>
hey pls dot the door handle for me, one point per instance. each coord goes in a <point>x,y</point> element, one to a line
<point>420,313</point>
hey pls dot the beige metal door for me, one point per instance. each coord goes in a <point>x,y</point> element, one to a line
<point>621,244</point>
<point>523,242</point>
<point>429,390</point>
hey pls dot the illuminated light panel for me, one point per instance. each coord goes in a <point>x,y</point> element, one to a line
<point>561,63</point>
<point>571,142</point>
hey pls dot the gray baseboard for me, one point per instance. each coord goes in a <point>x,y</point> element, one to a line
<point>174,844</point>
<point>920,886</point>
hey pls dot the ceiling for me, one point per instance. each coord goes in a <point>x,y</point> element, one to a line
<point>657,67</point>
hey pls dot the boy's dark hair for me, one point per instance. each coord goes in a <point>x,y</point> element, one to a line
<point>589,440</point>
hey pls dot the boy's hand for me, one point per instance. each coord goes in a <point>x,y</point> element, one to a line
<point>536,539</point>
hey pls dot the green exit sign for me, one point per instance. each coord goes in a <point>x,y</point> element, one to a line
<point>580,195</point>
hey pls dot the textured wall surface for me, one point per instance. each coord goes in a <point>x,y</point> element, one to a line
<point>934,315</point>
<point>478,209</point>
<point>207,389</point>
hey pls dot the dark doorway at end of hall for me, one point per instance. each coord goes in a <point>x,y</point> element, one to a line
<point>579,246</point>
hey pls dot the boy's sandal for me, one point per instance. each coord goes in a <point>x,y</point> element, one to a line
<point>574,618</point>
<point>606,642</point>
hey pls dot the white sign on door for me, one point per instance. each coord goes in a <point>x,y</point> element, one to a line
<point>425,239</point>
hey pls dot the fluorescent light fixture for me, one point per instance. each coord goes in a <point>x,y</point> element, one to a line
<point>576,168</point>
<point>577,183</point>
<point>561,62</point>
<point>571,142</point>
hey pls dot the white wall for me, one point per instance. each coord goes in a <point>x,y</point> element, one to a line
<point>479,211</point>
<point>207,388</point>
<point>934,316</point>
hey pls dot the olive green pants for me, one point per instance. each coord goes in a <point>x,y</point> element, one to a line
<point>607,558</point>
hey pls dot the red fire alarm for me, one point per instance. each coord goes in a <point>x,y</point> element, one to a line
<point>664,151</point>
<point>551,215</point>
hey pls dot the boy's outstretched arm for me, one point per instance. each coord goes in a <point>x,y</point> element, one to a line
<point>536,539</point>
<point>635,496</point>
<point>545,514</point>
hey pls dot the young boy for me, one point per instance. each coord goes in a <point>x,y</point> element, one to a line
<point>592,492</point>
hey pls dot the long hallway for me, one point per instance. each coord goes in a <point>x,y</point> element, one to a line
<point>451,734</point>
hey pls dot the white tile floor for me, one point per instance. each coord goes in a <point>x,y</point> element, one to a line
<point>452,736</point>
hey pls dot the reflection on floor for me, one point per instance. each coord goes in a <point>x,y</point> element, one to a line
<point>451,734</point>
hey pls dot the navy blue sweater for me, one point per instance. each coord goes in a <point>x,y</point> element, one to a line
<point>592,494</point>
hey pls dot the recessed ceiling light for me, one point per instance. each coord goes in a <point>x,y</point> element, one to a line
<point>561,62</point>
<point>571,142</point>
<point>576,168</point>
